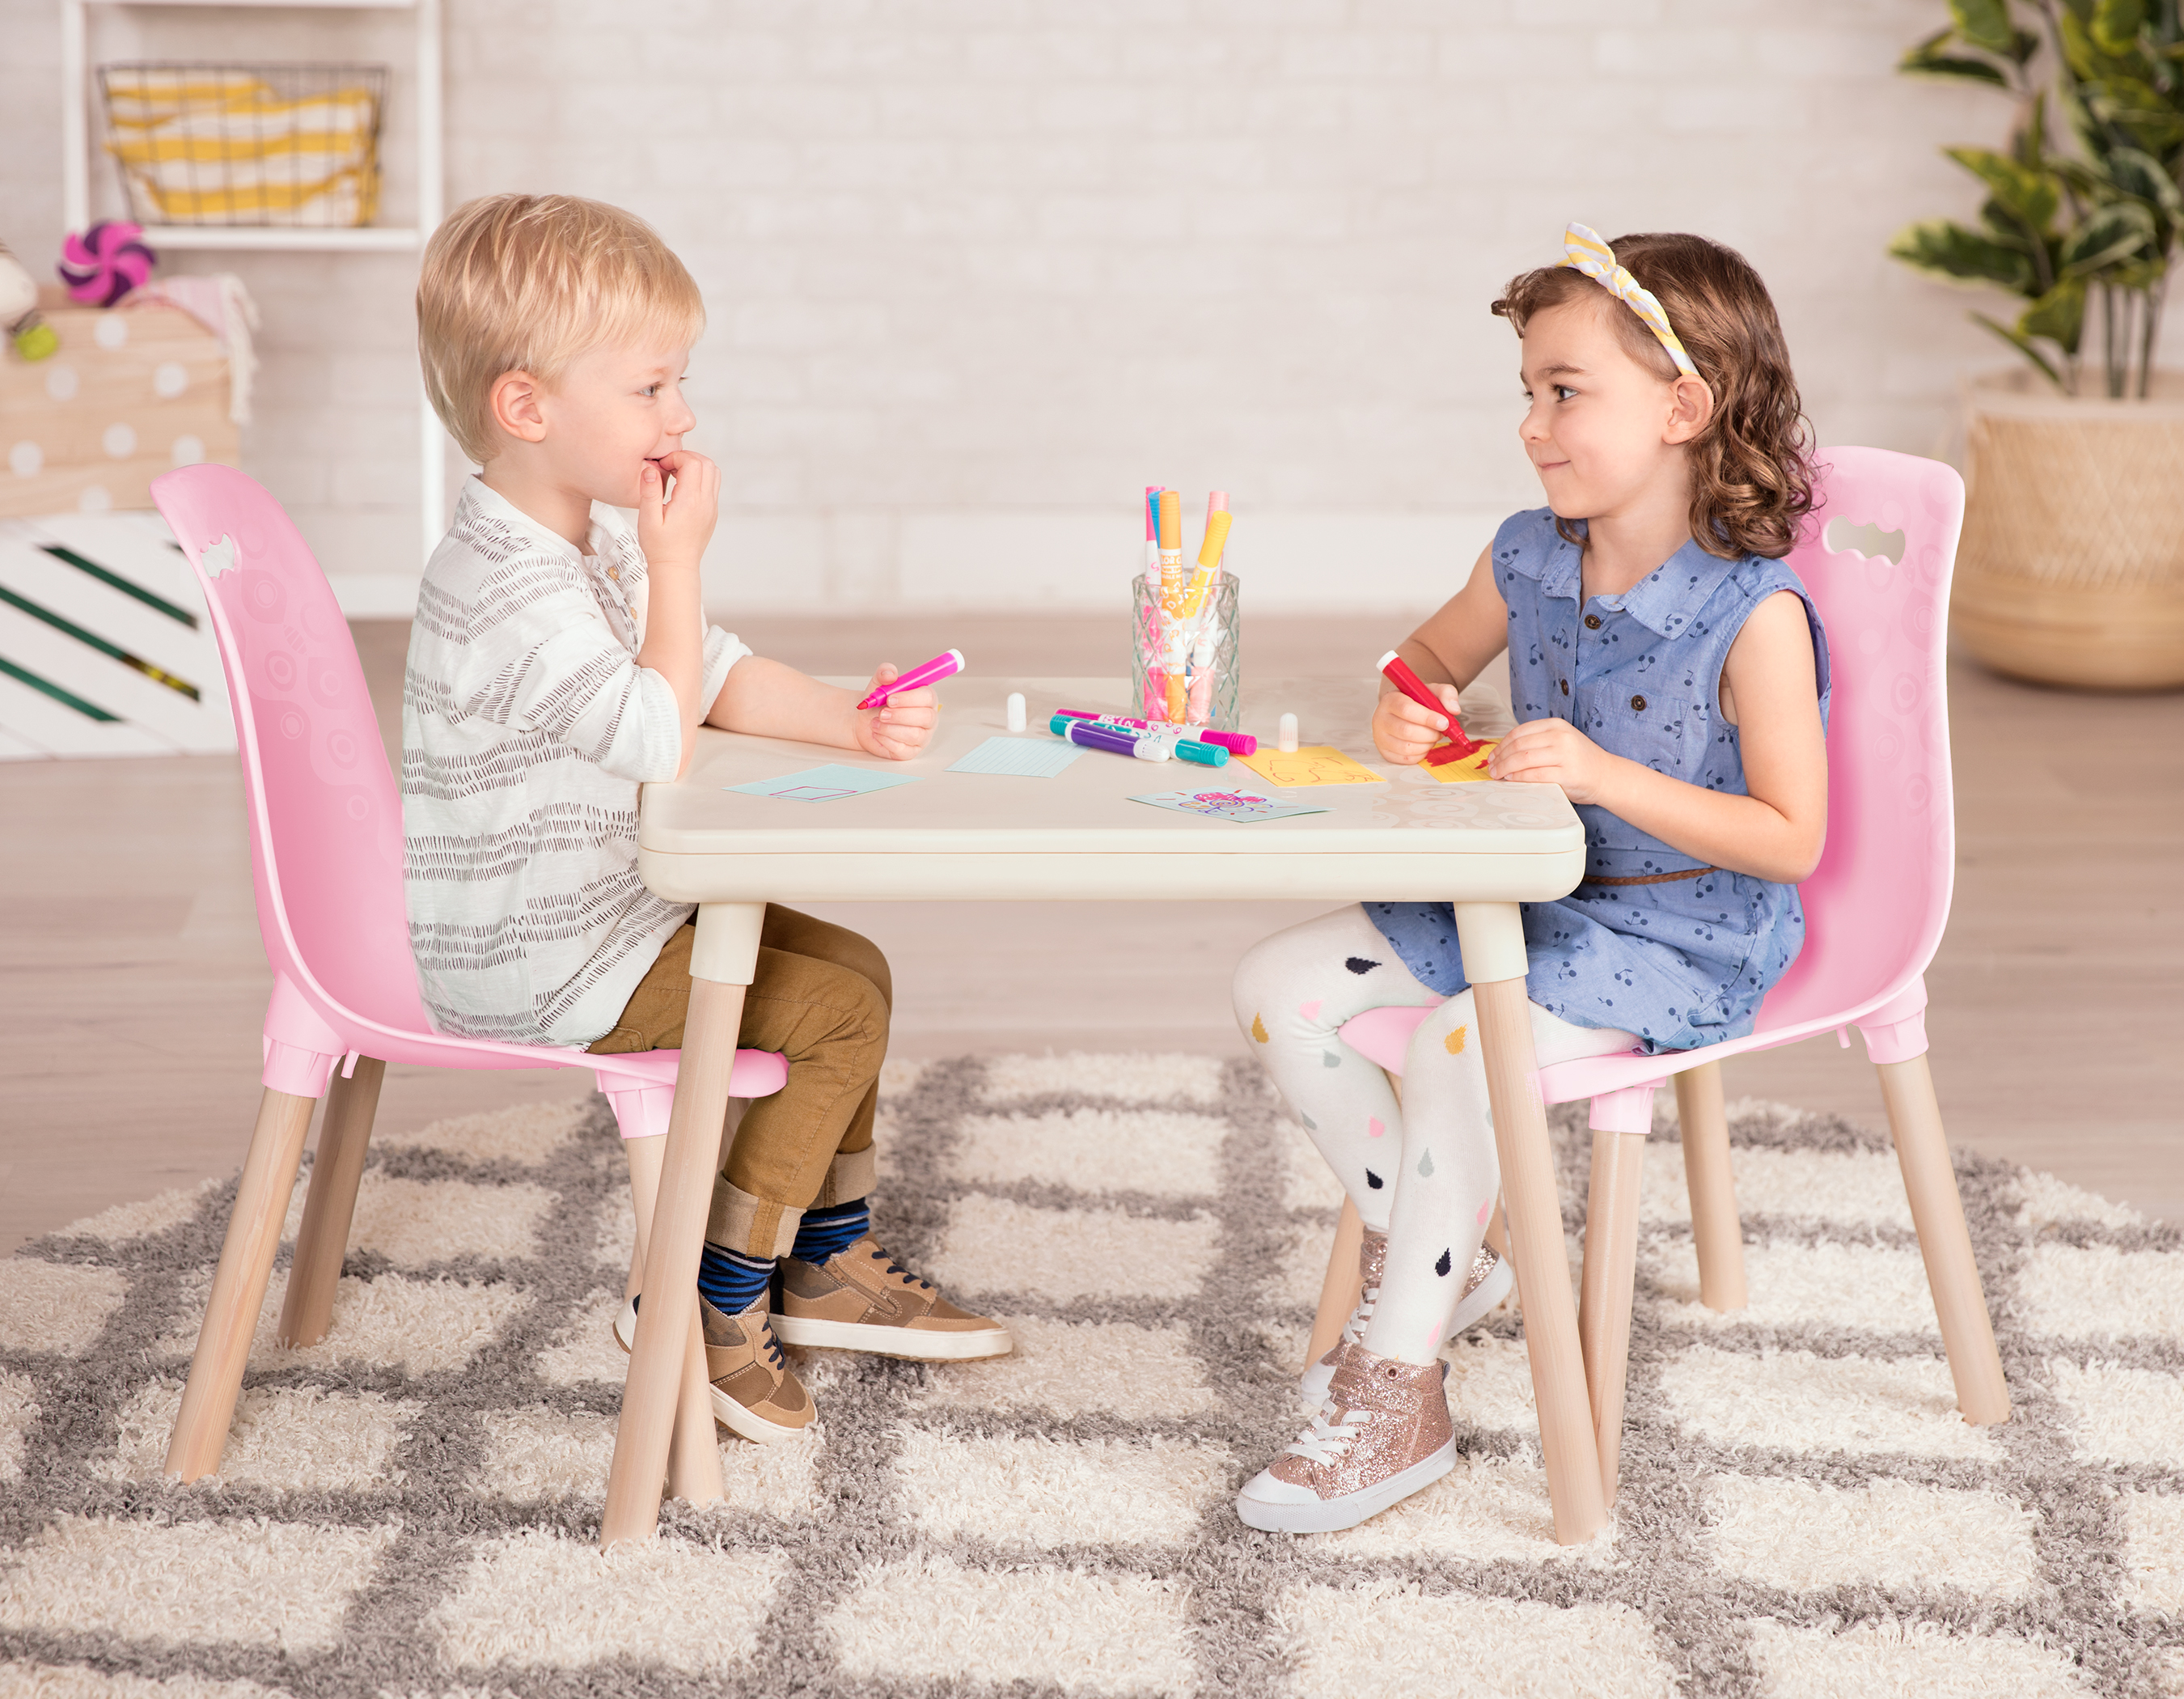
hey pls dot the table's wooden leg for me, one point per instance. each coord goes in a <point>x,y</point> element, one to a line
<point>1344,1285</point>
<point>666,1322</point>
<point>1493,942</point>
<point>693,1456</point>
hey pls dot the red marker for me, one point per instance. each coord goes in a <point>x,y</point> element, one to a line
<point>1397,672</point>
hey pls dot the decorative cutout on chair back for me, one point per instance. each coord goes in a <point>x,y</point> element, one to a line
<point>1875,906</point>
<point>326,816</point>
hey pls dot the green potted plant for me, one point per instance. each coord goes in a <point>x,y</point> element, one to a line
<point>2071,569</point>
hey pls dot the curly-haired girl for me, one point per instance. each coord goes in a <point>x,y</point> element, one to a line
<point>1670,674</point>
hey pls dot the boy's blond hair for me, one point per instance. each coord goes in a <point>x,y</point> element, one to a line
<point>529,282</point>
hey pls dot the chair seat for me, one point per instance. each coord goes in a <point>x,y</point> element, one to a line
<point>1892,1024</point>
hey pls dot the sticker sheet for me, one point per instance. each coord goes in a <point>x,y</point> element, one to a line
<point>1242,806</point>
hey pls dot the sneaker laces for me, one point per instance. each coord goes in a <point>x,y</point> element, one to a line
<point>1353,1330</point>
<point>1325,1441</point>
<point>897,1270</point>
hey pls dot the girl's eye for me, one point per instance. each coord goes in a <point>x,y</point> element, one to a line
<point>1563,392</point>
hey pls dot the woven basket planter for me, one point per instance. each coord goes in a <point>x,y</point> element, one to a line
<point>2071,569</point>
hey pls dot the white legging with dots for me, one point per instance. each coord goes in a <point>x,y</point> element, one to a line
<point>1423,1173</point>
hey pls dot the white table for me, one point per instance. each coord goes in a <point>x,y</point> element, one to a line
<point>954,836</point>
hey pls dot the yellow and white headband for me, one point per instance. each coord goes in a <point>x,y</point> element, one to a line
<point>1584,249</point>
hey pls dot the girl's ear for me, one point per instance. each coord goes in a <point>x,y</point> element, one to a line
<point>514,401</point>
<point>1691,405</point>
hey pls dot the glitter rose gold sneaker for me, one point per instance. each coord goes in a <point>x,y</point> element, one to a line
<point>861,1299</point>
<point>755,1393</point>
<point>1383,1434</point>
<point>1487,1284</point>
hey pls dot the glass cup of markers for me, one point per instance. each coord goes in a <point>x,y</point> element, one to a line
<point>1188,672</point>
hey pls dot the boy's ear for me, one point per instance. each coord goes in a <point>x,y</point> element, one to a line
<point>514,400</point>
<point>1690,406</point>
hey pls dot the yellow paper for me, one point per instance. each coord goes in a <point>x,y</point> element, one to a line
<point>1466,768</point>
<point>1320,764</point>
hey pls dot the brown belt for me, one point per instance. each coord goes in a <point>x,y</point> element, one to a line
<point>1647,878</point>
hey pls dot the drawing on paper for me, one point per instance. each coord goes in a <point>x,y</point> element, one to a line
<point>829,783</point>
<point>1318,764</point>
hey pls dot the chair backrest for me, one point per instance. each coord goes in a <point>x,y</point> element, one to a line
<point>1875,906</point>
<point>325,817</point>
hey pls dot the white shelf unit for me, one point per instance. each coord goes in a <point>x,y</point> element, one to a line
<point>76,188</point>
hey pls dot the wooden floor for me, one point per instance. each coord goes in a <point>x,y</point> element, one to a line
<point>132,985</point>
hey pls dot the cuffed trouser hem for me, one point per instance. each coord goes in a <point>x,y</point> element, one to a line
<point>850,1176</point>
<point>752,1225</point>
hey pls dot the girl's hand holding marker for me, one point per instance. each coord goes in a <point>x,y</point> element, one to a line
<point>1409,721</point>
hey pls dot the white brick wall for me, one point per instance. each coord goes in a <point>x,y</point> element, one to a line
<point>979,270</point>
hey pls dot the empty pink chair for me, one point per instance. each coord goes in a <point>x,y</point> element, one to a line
<point>326,856</point>
<point>1875,909</point>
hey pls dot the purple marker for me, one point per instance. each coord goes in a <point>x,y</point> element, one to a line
<point>932,672</point>
<point>1086,735</point>
<point>1236,743</point>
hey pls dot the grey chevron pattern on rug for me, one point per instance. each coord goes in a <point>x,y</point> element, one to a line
<point>411,1508</point>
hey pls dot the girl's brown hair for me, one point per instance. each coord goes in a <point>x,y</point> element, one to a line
<point>1752,467</point>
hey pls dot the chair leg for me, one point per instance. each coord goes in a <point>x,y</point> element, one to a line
<point>1716,1230</point>
<point>1605,1287</point>
<point>1344,1286</point>
<point>330,1204</point>
<point>238,1285</point>
<point>1937,1211</point>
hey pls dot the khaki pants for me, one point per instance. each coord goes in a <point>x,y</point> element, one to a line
<point>821,997</point>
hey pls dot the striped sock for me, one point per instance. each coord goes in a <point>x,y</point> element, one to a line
<point>823,1232</point>
<point>730,1281</point>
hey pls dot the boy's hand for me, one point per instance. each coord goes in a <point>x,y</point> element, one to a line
<point>897,730</point>
<point>1402,731</point>
<point>1555,752</point>
<point>674,533</point>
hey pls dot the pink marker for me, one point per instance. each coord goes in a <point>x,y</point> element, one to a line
<point>932,672</point>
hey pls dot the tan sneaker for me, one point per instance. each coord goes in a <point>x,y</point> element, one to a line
<point>860,1299</point>
<point>755,1393</point>
<point>1383,1434</point>
<point>1488,1283</point>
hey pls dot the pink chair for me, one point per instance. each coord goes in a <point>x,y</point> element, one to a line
<point>326,856</point>
<point>1875,909</point>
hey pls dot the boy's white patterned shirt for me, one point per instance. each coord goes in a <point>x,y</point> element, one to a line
<point>527,727</point>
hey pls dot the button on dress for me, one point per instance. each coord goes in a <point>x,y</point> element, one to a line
<point>1682,963</point>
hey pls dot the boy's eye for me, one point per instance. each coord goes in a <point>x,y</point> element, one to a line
<point>650,390</point>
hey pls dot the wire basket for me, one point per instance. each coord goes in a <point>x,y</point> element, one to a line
<point>295,144</point>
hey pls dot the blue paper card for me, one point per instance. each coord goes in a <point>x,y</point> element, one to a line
<point>829,783</point>
<point>1018,757</point>
<point>1215,803</point>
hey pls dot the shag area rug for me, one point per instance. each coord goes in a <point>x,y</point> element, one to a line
<point>411,1508</point>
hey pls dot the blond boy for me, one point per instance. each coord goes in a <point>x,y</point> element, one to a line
<point>560,658</point>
